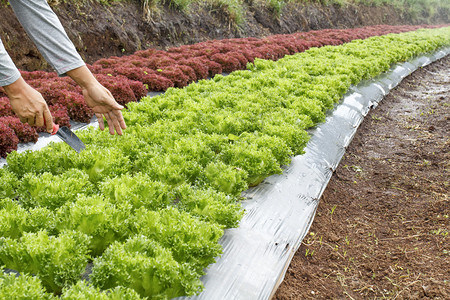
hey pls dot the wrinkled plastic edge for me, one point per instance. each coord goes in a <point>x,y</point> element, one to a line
<point>280,211</point>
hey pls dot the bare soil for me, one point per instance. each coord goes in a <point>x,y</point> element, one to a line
<point>100,31</point>
<point>382,225</point>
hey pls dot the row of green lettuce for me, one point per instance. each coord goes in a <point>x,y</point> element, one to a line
<point>146,210</point>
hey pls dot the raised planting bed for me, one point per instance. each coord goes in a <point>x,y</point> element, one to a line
<point>148,208</point>
<point>129,78</point>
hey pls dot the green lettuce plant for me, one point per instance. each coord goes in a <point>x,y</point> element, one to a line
<point>56,261</point>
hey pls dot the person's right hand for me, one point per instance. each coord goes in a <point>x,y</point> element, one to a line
<point>29,105</point>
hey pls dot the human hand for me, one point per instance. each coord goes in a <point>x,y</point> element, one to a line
<point>100,100</point>
<point>29,105</point>
<point>103,104</point>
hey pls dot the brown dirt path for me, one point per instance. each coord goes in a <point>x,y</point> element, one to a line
<point>382,226</point>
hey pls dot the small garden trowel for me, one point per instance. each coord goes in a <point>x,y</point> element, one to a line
<point>67,135</point>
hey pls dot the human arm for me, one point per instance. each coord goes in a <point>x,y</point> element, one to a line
<point>26,102</point>
<point>46,31</point>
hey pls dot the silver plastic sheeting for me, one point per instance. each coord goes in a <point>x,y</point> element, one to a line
<point>280,211</point>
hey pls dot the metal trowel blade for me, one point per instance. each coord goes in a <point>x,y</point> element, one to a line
<point>70,138</point>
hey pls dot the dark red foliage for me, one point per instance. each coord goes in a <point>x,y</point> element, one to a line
<point>208,52</point>
<point>126,65</point>
<point>60,115</point>
<point>106,71</point>
<point>51,88</point>
<point>138,89</point>
<point>176,50</point>
<point>133,73</point>
<point>160,61</point>
<point>77,108</point>
<point>225,46</point>
<point>137,61</point>
<point>241,58</point>
<point>287,43</point>
<point>213,67</point>
<point>37,75</point>
<point>310,44</point>
<point>189,72</point>
<point>179,56</point>
<point>8,140</point>
<point>146,53</point>
<point>266,52</point>
<point>251,54</point>
<point>5,107</point>
<point>279,50</point>
<point>107,62</point>
<point>175,75</point>
<point>198,65</point>
<point>118,86</point>
<point>272,51</point>
<point>250,39</point>
<point>24,132</point>
<point>94,69</point>
<point>300,45</point>
<point>158,83</point>
<point>228,63</point>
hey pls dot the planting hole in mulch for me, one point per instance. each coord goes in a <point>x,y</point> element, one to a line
<point>382,225</point>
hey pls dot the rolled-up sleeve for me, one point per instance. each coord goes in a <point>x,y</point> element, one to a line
<point>8,71</point>
<point>44,28</point>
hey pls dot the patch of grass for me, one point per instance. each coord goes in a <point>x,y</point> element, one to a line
<point>181,5</point>
<point>151,8</point>
<point>276,6</point>
<point>232,10</point>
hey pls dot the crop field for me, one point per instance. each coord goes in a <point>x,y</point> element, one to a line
<point>141,215</point>
<point>129,78</point>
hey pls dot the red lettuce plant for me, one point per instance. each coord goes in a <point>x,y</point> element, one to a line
<point>5,107</point>
<point>119,87</point>
<point>60,115</point>
<point>8,140</point>
<point>175,75</point>
<point>24,132</point>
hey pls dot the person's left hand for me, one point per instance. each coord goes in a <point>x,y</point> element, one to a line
<point>100,100</point>
<point>103,104</point>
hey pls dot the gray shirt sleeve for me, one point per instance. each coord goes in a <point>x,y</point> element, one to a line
<point>8,71</point>
<point>46,31</point>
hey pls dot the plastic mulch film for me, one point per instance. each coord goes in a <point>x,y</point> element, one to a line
<point>280,210</point>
